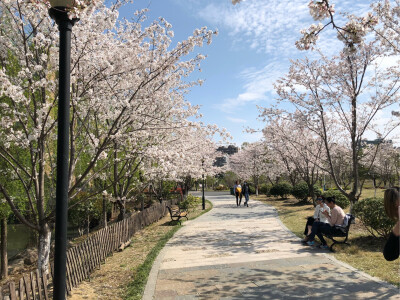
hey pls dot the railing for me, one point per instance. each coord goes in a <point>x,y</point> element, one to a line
<point>85,257</point>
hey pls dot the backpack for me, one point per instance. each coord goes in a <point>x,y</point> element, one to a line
<point>238,189</point>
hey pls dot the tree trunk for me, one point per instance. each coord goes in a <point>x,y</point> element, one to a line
<point>311,193</point>
<point>44,248</point>
<point>88,224</point>
<point>104,211</point>
<point>121,215</point>
<point>184,191</point>
<point>4,259</point>
<point>353,200</point>
<point>374,181</point>
<point>186,187</point>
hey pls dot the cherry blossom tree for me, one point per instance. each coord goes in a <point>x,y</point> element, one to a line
<point>388,33</point>
<point>127,92</point>
<point>385,168</point>
<point>299,148</point>
<point>341,91</point>
<point>250,163</point>
<point>338,98</point>
<point>188,154</point>
<point>352,33</point>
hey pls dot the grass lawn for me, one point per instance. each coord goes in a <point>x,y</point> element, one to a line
<point>365,252</point>
<point>369,193</point>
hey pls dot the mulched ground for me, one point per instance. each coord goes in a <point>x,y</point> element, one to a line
<point>110,280</point>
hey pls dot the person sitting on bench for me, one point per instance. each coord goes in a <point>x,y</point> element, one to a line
<point>335,218</point>
<point>317,217</point>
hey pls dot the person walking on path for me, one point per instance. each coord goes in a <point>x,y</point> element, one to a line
<point>335,218</point>
<point>246,192</point>
<point>238,192</point>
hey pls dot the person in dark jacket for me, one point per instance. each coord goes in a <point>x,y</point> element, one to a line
<point>391,200</point>
<point>246,192</point>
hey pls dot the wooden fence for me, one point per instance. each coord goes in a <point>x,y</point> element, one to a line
<point>83,258</point>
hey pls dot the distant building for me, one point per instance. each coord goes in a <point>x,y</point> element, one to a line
<point>221,161</point>
<point>377,142</point>
<point>228,150</point>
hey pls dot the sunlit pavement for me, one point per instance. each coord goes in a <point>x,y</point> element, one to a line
<point>247,253</point>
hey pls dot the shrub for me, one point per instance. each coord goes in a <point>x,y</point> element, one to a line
<point>281,190</point>
<point>86,210</point>
<point>265,189</point>
<point>220,187</point>
<point>341,199</point>
<point>190,202</point>
<point>372,214</point>
<point>252,189</point>
<point>318,191</point>
<point>300,191</point>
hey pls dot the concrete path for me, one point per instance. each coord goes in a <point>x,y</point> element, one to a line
<point>247,253</point>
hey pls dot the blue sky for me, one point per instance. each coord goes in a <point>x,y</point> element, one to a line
<point>253,49</point>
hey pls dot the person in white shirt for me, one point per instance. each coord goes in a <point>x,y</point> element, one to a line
<point>336,217</point>
<point>317,217</point>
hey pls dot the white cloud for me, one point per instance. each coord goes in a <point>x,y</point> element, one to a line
<point>274,26</point>
<point>258,86</point>
<point>383,123</point>
<point>251,137</point>
<point>261,25</point>
<point>269,28</point>
<point>236,120</point>
<point>387,61</point>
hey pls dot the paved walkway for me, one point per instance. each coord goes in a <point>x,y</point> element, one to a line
<point>247,253</point>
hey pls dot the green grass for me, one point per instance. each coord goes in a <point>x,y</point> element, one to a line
<point>141,274</point>
<point>365,251</point>
<point>369,193</point>
<point>135,288</point>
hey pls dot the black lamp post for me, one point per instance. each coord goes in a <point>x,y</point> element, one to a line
<point>58,12</point>
<point>202,186</point>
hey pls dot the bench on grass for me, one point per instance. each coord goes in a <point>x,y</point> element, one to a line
<point>177,214</point>
<point>342,233</point>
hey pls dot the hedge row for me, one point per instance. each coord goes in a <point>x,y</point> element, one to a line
<point>300,191</point>
<point>370,211</point>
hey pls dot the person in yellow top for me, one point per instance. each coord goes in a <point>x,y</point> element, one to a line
<point>336,217</point>
<point>238,192</point>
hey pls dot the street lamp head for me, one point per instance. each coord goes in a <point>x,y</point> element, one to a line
<point>63,3</point>
<point>59,12</point>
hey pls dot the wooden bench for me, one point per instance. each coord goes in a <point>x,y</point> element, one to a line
<point>177,214</point>
<point>343,233</point>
